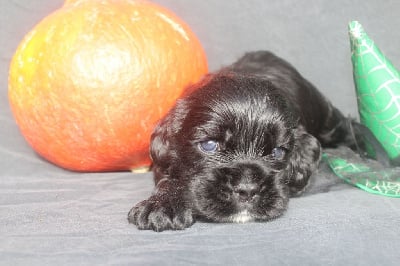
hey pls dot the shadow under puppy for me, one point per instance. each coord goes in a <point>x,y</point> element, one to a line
<point>238,146</point>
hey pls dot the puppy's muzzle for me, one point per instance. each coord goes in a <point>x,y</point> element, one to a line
<point>245,191</point>
<point>243,179</point>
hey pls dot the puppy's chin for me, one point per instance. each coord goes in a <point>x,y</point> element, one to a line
<point>240,192</point>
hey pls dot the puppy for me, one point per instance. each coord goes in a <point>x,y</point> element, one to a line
<point>238,146</point>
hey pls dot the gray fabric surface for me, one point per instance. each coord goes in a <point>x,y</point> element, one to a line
<point>49,216</point>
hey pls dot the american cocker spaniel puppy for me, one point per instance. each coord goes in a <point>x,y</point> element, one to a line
<point>236,147</point>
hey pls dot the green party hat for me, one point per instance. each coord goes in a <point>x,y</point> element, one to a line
<point>378,96</point>
<point>378,90</point>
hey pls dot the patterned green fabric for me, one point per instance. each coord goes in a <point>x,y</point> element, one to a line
<point>378,96</point>
<point>378,90</point>
<point>384,181</point>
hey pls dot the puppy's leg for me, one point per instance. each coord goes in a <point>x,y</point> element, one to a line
<point>169,208</point>
<point>304,160</point>
<point>166,209</point>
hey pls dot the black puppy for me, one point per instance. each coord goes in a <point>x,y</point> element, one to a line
<point>235,149</point>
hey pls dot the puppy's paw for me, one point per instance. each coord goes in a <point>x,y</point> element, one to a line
<point>154,214</point>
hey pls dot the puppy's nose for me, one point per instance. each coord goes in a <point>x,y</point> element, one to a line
<point>245,192</point>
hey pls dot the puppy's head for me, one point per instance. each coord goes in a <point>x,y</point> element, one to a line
<point>236,142</point>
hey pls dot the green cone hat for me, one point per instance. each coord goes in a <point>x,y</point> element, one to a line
<point>378,96</point>
<point>378,90</point>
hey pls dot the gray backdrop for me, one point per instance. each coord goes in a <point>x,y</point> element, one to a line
<point>52,216</point>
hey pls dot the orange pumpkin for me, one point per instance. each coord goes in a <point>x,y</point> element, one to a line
<point>88,84</point>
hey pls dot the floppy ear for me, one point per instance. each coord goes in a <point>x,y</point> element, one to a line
<point>304,160</point>
<point>163,140</point>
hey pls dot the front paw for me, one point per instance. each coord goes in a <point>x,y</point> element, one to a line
<point>155,214</point>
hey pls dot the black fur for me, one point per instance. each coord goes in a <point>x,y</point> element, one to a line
<point>266,124</point>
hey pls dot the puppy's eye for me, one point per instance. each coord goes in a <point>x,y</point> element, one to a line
<point>278,153</point>
<point>208,146</point>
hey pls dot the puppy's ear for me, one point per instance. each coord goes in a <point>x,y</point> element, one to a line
<point>163,140</point>
<point>304,160</point>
